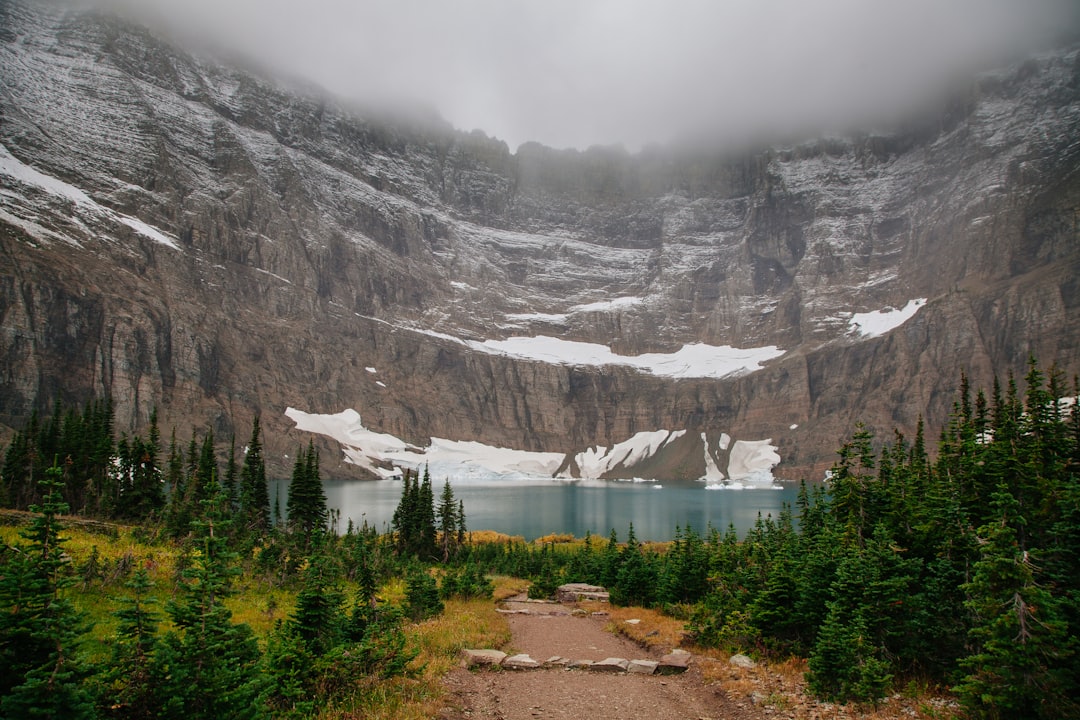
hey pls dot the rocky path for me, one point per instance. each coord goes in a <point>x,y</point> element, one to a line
<point>545,631</point>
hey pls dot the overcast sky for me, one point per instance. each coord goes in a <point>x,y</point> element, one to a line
<point>573,73</point>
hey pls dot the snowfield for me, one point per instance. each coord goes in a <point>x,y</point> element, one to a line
<point>385,455</point>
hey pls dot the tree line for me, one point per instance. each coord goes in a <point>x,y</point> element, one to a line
<point>189,658</point>
<point>960,570</point>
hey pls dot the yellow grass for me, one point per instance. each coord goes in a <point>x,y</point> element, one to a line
<point>555,538</point>
<point>464,624</point>
<point>655,630</point>
<point>482,537</point>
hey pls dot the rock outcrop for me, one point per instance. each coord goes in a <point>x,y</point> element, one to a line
<point>181,234</point>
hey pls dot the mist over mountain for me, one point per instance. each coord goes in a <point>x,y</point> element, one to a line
<point>182,233</point>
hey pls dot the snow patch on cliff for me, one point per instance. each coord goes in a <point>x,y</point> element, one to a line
<point>384,455</point>
<point>26,175</point>
<point>874,324</point>
<point>752,462</point>
<point>595,462</point>
<point>713,473</point>
<point>696,360</point>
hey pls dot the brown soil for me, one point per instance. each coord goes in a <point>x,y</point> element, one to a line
<point>711,689</point>
<point>543,631</point>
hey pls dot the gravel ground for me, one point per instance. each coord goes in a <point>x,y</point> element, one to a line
<point>547,630</point>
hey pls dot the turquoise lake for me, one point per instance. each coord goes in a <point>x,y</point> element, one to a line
<point>534,508</point>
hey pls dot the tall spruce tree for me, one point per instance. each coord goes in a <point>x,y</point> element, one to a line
<point>41,671</point>
<point>208,667</point>
<point>254,492</point>
<point>1021,666</point>
<point>449,524</point>
<point>306,503</point>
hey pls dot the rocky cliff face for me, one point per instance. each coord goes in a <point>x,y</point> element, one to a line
<point>188,235</point>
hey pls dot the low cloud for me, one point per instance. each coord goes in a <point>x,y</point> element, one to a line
<point>573,73</point>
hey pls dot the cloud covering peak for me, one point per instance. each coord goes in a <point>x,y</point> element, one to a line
<point>573,73</point>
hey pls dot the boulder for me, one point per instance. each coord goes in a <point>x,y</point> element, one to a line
<point>474,658</point>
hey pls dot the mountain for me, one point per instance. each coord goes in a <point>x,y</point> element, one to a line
<point>185,234</point>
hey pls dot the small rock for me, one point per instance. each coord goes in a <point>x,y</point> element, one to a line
<point>680,651</point>
<point>611,664</point>
<point>556,661</point>
<point>520,662</point>
<point>599,613</point>
<point>632,621</point>
<point>742,661</point>
<point>473,658</point>
<point>643,667</point>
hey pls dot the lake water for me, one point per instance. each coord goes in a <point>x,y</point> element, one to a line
<point>532,508</point>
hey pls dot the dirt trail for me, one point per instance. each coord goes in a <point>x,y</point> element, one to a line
<point>546,630</point>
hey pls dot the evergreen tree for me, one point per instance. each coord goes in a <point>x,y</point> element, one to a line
<point>306,504</point>
<point>232,476</point>
<point>41,672</point>
<point>208,667</point>
<point>422,594</point>
<point>254,492</point>
<point>127,687</point>
<point>448,522</point>
<point>1020,667</point>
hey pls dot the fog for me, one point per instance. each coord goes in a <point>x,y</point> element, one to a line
<point>573,73</point>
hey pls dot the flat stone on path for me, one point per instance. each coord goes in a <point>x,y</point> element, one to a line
<point>575,592</point>
<point>673,663</point>
<point>611,664</point>
<point>473,658</point>
<point>642,667</point>
<point>520,662</point>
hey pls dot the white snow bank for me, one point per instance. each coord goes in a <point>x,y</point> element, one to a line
<point>594,462</point>
<point>691,361</point>
<point>382,454</point>
<point>371,450</point>
<point>607,305</point>
<point>14,168</point>
<point>874,324</point>
<point>713,473</point>
<point>752,461</point>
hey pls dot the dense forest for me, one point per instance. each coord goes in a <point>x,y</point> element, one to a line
<point>957,568</point>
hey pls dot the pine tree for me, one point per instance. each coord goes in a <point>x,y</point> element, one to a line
<point>1020,667</point>
<point>208,667</point>
<point>232,476</point>
<point>254,492</point>
<point>306,504</point>
<point>41,672</point>
<point>448,522</point>
<point>426,519</point>
<point>127,687</point>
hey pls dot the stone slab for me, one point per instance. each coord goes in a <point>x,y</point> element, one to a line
<point>642,667</point>
<point>474,658</point>
<point>520,662</point>
<point>611,665</point>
